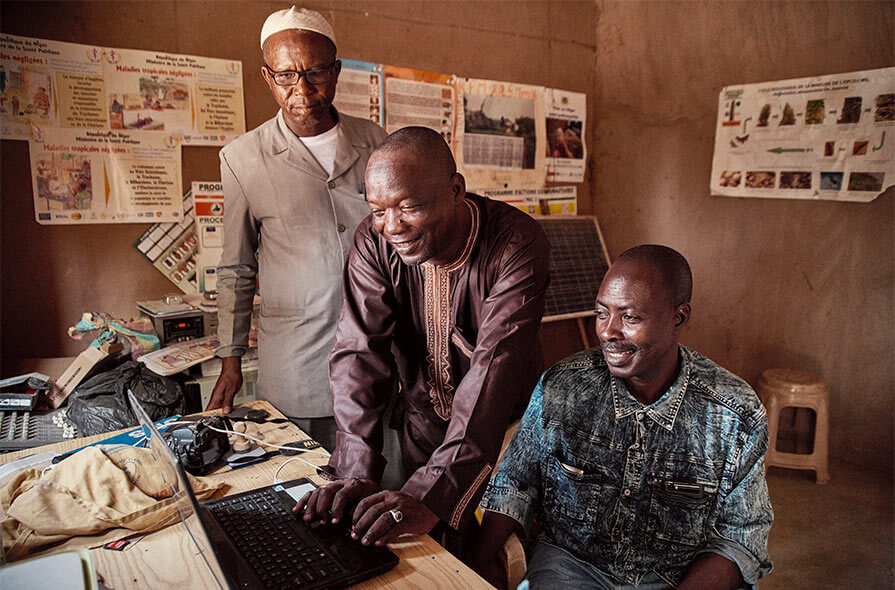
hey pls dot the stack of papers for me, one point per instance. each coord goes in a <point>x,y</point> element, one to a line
<point>180,356</point>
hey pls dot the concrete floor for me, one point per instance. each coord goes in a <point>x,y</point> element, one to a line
<point>838,535</point>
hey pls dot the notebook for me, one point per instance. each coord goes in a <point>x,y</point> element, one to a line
<point>252,539</point>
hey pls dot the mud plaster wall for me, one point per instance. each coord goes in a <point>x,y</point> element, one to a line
<point>778,283</point>
<point>52,274</point>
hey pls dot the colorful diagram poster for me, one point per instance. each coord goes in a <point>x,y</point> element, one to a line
<point>56,84</point>
<point>171,248</point>
<point>420,98</point>
<point>830,138</point>
<point>208,201</point>
<point>92,176</point>
<point>500,139</point>
<point>566,113</point>
<point>360,91</point>
<point>555,200</point>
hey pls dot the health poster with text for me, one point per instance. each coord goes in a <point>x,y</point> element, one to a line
<point>420,98</point>
<point>828,138</point>
<point>566,113</point>
<point>359,92</point>
<point>500,134</point>
<point>553,200</point>
<point>208,201</point>
<point>91,176</point>
<point>56,84</point>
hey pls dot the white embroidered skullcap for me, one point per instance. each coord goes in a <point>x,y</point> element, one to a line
<point>292,18</point>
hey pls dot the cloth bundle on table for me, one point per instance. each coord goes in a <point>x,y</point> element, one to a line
<point>97,495</point>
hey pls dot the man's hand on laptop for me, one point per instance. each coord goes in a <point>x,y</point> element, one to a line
<point>329,503</point>
<point>384,516</point>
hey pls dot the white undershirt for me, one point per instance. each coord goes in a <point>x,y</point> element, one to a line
<point>323,147</point>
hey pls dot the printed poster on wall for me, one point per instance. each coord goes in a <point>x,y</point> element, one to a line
<point>208,202</point>
<point>359,92</point>
<point>91,176</point>
<point>500,136</point>
<point>566,113</point>
<point>554,200</point>
<point>171,248</point>
<point>56,84</point>
<point>420,98</point>
<point>829,138</point>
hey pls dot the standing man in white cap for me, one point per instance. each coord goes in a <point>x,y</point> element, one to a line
<point>293,196</point>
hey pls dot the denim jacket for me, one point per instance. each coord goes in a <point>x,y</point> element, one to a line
<point>633,489</point>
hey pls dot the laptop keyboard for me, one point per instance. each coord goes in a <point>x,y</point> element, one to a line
<point>268,536</point>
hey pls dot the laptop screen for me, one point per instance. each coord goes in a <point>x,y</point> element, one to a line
<point>187,506</point>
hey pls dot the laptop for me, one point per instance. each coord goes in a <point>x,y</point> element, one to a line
<point>252,539</point>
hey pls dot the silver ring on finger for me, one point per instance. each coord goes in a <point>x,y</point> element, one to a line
<point>397,515</point>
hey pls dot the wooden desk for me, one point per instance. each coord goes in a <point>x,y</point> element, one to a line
<point>168,558</point>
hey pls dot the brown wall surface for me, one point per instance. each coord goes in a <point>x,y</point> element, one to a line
<point>50,275</point>
<point>778,283</point>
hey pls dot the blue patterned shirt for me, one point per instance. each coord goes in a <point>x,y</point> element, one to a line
<point>634,489</point>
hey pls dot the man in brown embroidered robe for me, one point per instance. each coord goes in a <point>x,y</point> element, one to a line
<point>444,292</point>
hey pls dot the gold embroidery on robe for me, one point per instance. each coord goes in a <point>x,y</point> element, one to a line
<point>438,322</point>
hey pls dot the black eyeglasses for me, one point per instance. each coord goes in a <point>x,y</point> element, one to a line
<point>291,77</point>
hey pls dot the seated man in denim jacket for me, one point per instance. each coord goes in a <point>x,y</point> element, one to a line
<point>641,461</point>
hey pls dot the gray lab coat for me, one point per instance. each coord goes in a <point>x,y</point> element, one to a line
<point>280,203</point>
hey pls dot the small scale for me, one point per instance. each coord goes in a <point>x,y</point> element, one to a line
<point>173,319</point>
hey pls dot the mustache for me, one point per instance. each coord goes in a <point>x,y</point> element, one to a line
<point>303,102</point>
<point>615,347</point>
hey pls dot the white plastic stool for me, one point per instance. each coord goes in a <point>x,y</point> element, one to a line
<point>786,388</point>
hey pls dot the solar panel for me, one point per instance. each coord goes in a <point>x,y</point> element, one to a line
<point>578,261</point>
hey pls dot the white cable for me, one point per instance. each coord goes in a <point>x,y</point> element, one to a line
<point>276,480</point>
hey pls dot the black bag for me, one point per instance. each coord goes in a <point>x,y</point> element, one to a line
<point>100,404</point>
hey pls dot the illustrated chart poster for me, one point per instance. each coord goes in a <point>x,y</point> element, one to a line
<point>360,91</point>
<point>56,84</point>
<point>208,201</point>
<point>90,176</point>
<point>420,98</point>
<point>566,113</point>
<point>171,248</point>
<point>500,139</point>
<point>829,138</point>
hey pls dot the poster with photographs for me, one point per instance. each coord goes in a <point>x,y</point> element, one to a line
<point>827,138</point>
<point>55,84</point>
<point>566,113</point>
<point>500,138</point>
<point>89,176</point>
<point>359,92</point>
